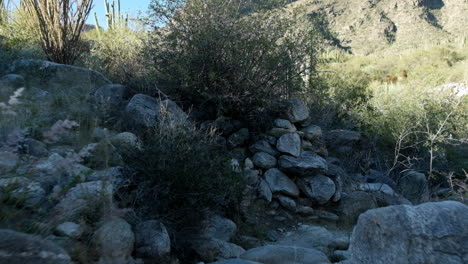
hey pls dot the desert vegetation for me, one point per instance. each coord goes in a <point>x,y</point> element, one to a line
<point>274,114</point>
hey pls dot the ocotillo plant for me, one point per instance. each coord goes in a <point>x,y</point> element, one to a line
<point>113,19</point>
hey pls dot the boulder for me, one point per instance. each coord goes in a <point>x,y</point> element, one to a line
<point>8,161</point>
<point>413,186</point>
<point>52,76</point>
<point>427,233</point>
<point>126,143</point>
<point>286,202</point>
<point>117,176</point>
<point>239,138</point>
<point>100,155</point>
<point>19,248</point>
<point>263,146</point>
<point>35,148</point>
<point>152,240</point>
<point>28,192</point>
<point>315,237</point>
<point>354,204</point>
<point>235,261</point>
<point>69,229</point>
<point>295,110</point>
<point>290,144</point>
<point>283,123</point>
<point>312,132</point>
<point>219,228</point>
<point>114,241</point>
<point>377,187</point>
<point>307,164</point>
<point>264,190</point>
<point>248,164</point>
<point>280,183</point>
<point>275,254</point>
<point>319,188</point>
<point>264,160</point>
<point>143,112</point>
<point>215,249</point>
<point>251,176</point>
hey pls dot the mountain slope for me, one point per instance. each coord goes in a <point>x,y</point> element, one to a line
<point>372,25</point>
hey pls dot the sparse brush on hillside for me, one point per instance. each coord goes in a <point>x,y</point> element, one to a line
<point>235,60</point>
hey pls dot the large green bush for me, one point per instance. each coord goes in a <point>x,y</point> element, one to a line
<point>181,174</point>
<point>231,54</point>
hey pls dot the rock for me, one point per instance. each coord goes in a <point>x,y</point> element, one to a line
<point>274,254</point>
<point>263,146</point>
<point>427,233</point>
<point>315,237</point>
<point>9,84</point>
<point>337,173</point>
<point>248,164</point>
<point>69,229</point>
<point>235,261</point>
<point>35,148</point>
<point>29,193</point>
<point>340,255</point>
<point>287,202</point>
<point>126,143</point>
<point>239,138</point>
<point>295,110</point>
<point>251,176</point>
<point>307,164</point>
<point>305,210</point>
<point>264,160</point>
<point>19,248</point>
<point>82,195</point>
<point>413,185</point>
<point>152,240</point>
<point>118,176</point>
<point>52,76</point>
<point>215,249</point>
<point>319,188</point>
<point>354,204</point>
<point>280,183</point>
<point>8,161</point>
<point>312,132</point>
<point>277,132</point>
<point>327,215</point>
<point>100,155</point>
<point>283,123</point>
<point>219,228</point>
<point>143,112</point>
<point>290,144</point>
<point>114,241</point>
<point>264,190</point>
<point>377,187</point>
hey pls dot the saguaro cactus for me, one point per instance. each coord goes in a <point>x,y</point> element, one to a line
<point>114,18</point>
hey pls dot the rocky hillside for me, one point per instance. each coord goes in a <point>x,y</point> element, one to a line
<point>374,25</point>
<point>64,202</point>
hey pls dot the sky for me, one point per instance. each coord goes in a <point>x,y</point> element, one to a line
<point>130,7</point>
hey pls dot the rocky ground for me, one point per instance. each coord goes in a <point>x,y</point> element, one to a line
<point>302,202</point>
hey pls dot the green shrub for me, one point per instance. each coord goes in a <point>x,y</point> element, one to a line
<point>238,58</point>
<point>181,174</point>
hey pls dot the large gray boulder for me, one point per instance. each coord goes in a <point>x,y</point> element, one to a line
<point>290,144</point>
<point>218,227</point>
<point>19,248</point>
<point>215,249</point>
<point>315,237</point>
<point>152,240</point>
<point>275,254</point>
<point>319,188</point>
<point>264,160</point>
<point>52,76</point>
<point>144,111</point>
<point>100,155</point>
<point>413,185</point>
<point>307,164</point>
<point>280,183</point>
<point>108,100</point>
<point>114,241</point>
<point>427,233</point>
<point>263,146</point>
<point>312,132</point>
<point>295,110</point>
<point>23,190</point>
<point>354,204</point>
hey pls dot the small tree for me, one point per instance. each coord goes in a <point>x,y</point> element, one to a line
<point>233,55</point>
<point>59,24</point>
